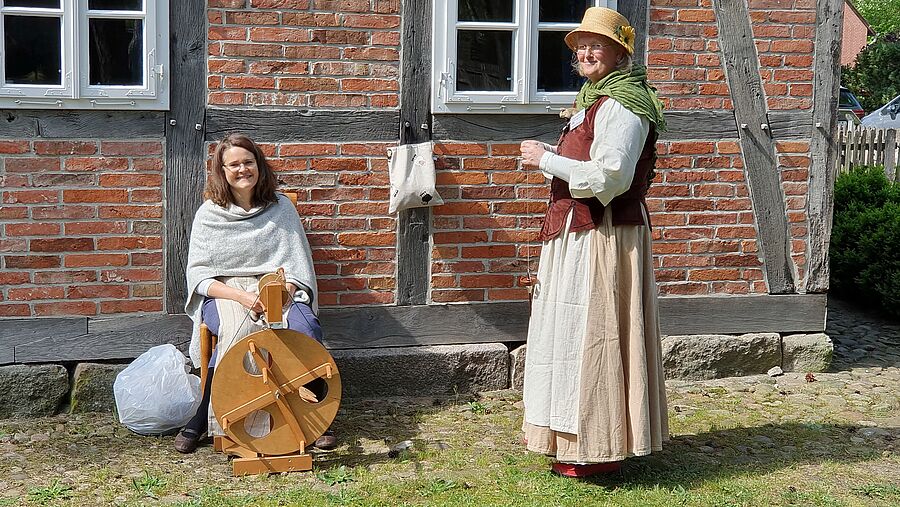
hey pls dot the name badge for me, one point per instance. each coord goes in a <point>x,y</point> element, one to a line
<point>576,120</point>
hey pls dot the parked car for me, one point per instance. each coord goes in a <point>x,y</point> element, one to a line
<point>885,117</point>
<point>849,109</point>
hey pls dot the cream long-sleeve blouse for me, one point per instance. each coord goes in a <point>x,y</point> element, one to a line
<point>619,137</point>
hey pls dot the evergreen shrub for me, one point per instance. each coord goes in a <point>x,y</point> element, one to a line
<point>865,239</point>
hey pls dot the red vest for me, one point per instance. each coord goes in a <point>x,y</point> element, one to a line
<point>588,212</point>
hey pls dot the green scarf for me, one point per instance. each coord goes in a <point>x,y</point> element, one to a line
<point>631,90</point>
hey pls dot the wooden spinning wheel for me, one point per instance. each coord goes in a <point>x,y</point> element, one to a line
<point>274,392</point>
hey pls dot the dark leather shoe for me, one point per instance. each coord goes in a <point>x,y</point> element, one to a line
<point>326,442</point>
<point>186,441</point>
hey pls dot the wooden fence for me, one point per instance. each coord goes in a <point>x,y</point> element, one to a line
<point>868,146</point>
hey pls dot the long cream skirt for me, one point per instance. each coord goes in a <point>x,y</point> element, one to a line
<point>594,383</point>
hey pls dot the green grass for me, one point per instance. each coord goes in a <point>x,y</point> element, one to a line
<point>150,485</point>
<point>54,491</point>
<point>879,490</point>
<point>466,451</point>
<point>335,476</point>
<point>477,408</point>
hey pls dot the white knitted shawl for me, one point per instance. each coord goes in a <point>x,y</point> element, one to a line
<point>234,242</point>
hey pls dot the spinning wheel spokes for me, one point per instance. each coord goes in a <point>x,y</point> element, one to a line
<point>298,415</point>
<point>283,374</point>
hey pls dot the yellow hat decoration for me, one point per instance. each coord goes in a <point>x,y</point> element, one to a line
<point>607,22</point>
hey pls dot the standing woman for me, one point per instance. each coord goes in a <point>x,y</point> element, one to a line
<point>594,388</point>
<point>244,230</point>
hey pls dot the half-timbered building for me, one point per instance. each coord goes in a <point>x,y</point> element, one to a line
<point>109,110</point>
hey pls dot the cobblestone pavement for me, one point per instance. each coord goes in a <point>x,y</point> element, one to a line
<point>862,341</point>
<point>854,406</point>
<point>838,431</point>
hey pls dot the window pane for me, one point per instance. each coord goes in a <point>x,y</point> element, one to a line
<point>33,50</point>
<point>485,60</point>
<point>115,5</point>
<point>563,12</point>
<point>847,99</point>
<point>569,11</point>
<point>117,51</point>
<point>45,4</point>
<point>485,10</point>
<point>555,72</point>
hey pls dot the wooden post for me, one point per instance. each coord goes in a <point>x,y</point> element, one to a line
<point>185,174</point>
<point>636,13</point>
<point>848,149</point>
<point>879,148</point>
<point>868,147</point>
<point>890,154</point>
<point>823,146</point>
<point>205,354</point>
<point>741,63</point>
<point>414,225</point>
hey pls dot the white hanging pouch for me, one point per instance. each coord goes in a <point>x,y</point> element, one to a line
<point>412,177</point>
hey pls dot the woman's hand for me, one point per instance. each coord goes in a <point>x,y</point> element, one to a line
<point>246,299</point>
<point>532,151</point>
<point>250,301</point>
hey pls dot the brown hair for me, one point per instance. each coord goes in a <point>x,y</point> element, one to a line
<point>217,188</point>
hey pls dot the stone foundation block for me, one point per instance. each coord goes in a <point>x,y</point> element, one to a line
<point>423,371</point>
<point>806,352</point>
<point>32,391</point>
<point>517,368</point>
<point>702,357</point>
<point>92,388</point>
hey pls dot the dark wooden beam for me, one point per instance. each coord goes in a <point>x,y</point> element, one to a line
<point>414,225</point>
<point>788,313</point>
<point>392,326</point>
<point>397,326</point>
<point>15,331</point>
<point>790,124</point>
<point>742,72</point>
<point>497,127</point>
<point>327,125</point>
<point>19,123</point>
<point>683,125</point>
<point>699,125</point>
<point>636,13</point>
<point>185,150</point>
<point>319,126</point>
<point>275,125</point>
<point>123,339</point>
<point>823,147</point>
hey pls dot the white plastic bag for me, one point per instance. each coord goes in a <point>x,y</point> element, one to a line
<point>412,177</point>
<point>156,394</point>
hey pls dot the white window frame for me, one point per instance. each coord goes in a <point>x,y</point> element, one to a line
<point>75,91</point>
<point>524,96</point>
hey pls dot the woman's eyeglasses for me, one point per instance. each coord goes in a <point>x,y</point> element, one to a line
<point>594,48</point>
<point>236,166</point>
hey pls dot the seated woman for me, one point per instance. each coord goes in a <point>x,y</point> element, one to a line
<point>242,231</point>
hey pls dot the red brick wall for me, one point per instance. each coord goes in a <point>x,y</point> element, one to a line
<point>485,232</point>
<point>705,229</point>
<point>708,240</point>
<point>855,34</point>
<point>81,230</point>
<point>304,53</point>
<point>342,199</point>
<point>320,54</point>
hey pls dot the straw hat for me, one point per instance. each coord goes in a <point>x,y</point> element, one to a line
<point>603,21</point>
